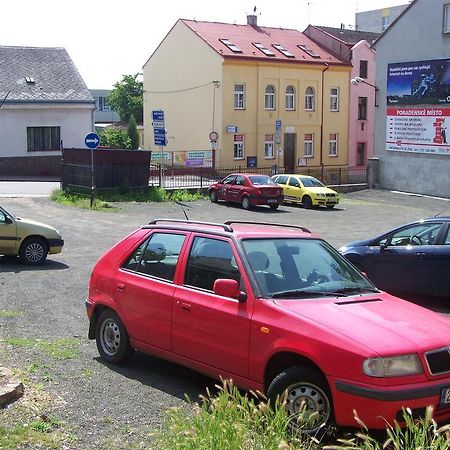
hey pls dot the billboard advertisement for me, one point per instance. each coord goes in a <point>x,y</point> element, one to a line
<point>419,83</point>
<point>418,130</point>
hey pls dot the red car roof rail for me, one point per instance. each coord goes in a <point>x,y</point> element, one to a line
<point>225,226</point>
<point>229,222</point>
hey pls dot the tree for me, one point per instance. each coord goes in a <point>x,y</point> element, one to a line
<point>133,133</point>
<point>115,138</point>
<point>127,98</point>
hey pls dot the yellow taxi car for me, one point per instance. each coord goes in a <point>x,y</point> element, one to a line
<point>29,239</point>
<point>306,190</point>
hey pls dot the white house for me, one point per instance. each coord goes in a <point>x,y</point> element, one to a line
<point>44,106</point>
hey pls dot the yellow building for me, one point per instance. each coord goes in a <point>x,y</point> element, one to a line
<point>272,95</point>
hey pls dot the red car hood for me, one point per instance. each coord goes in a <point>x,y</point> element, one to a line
<point>385,324</point>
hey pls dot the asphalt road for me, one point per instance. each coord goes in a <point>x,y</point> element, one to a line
<point>104,406</point>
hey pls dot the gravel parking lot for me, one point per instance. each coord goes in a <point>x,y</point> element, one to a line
<point>105,407</point>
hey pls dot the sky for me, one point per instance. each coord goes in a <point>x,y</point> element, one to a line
<point>107,39</point>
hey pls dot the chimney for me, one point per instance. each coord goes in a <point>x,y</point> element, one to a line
<point>342,26</point>
<point>252,20</point>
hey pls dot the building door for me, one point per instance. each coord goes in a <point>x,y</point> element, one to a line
<point>290,143</point>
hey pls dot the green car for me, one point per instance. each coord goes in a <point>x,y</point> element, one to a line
<point>29,239</point>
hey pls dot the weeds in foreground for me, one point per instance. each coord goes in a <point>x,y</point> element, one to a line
<point>57,349</point>
<point>103,199</point>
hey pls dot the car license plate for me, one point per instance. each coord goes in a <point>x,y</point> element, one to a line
<point>445,396</point>
<point>271,200</point>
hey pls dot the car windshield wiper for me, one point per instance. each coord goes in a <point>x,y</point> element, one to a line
<point>303,293</point>
<point>355,289</point>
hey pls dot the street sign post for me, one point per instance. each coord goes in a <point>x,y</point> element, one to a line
<point>92,141</point>
<point>159,130</point>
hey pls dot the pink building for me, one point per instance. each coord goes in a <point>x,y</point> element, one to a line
<point>354,46</point>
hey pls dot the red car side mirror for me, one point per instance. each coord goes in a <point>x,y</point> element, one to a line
<point>228,288</point>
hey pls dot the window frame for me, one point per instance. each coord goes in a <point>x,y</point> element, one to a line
<point>333,145</point>
<point>290,98</point>
<point>239,95</point>
<point>308,143</point>
<point>269,143</point>
<point>334,99</point>
<point>238,147</point>
<point>363,68</point>
<point>446,22</point>
<point>362,108</point>
<point>269,98</point>
<point>35,134</point>
<point>310,97</point>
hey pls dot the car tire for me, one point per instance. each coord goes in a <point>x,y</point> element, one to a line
<point>274,207</point>
<point>213,196</point>
<point>33,251</point>
<point>112,338</point>
<point>330,206</point>
<point>245,202</point>
<point>304,388</point>
<point>307,202</point>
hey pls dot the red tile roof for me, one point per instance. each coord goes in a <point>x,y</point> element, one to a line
<point>243,37</point>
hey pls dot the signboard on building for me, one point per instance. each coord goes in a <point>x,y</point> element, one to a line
<point>419,82</point>
<point>418,130</point>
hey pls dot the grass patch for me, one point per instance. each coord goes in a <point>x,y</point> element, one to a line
<point>56,349</point>
<point>102,200</point>
<point>230,421</point>
<point>9,314</point>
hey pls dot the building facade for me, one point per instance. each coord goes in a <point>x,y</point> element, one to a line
<point>378,20</point>
<point>45,106</point>
<point>413,80</point>
<point>103,113</point>
<point>272,96</point>
<point>354,47</point>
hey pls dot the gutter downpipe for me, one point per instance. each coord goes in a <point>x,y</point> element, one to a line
<point>321,118</point>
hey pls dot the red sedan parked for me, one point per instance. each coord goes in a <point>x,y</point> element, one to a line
<point>247,189</point>
<point>276,309</point>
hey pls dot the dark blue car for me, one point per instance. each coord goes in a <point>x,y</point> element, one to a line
<point>412,259</point>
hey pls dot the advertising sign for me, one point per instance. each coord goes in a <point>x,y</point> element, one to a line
<point>419,83</point>
<point>418,130</point>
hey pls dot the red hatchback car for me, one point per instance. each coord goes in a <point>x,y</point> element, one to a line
<point>276,309</point>
<point>247,189</point>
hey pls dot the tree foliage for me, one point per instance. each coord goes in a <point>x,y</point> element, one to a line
<point>127,98</point>
<point>133,133</point>
<point>115,138</point>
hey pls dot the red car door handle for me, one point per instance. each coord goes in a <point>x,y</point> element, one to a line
<point>120,287</point>
<point>184,306</point>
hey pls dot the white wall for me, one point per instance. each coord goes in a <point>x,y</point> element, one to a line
<point>75,122</point>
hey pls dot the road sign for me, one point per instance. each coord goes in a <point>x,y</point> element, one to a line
<point>92,140</point>
<point>160,136</point>
<point>158,115</point>
<point>277,124</point>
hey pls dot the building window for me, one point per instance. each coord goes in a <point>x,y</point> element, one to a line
<point>309,99</point>
<point>334,99</point>
<point>333,145</point>
<point>268,146</point>
<point>269,98</point>
<point>361,154</point>
<point>290,98</point>
<point>102,104</point>
<point>43,138</point>
<point>239,96</point>
<point>309,146</point>
<point>362,108</point>
<point>363,68</point>
<point>447,18</point>
<point>384,23</point>
<point>238,146</point>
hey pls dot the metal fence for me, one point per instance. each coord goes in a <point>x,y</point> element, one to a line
<point>202,177</point>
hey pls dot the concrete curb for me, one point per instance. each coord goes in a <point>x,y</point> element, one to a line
<point>10,388</point>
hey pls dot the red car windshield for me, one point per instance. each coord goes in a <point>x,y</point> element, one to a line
<point>302,268</point>
<point>258,180</point>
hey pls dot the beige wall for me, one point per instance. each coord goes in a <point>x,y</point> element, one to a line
<point>255,122</point>
<point>182,63</point>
